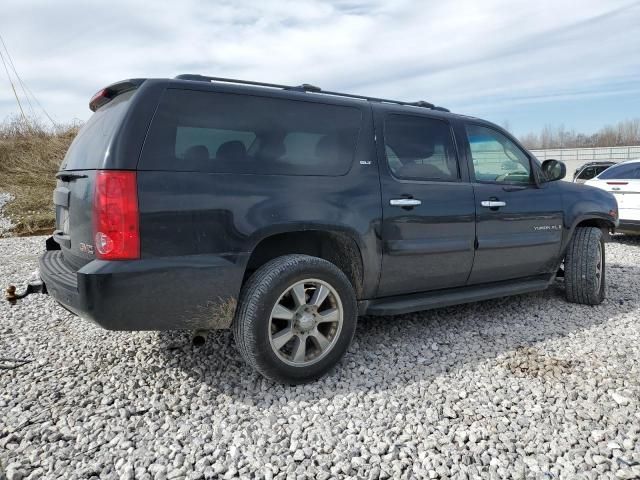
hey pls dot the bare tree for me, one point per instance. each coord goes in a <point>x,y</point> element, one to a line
<point>626,132</point>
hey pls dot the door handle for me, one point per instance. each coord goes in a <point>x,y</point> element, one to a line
<point>404,202</point>
<point>493,203</point>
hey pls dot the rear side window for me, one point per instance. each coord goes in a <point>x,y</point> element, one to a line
<point>420,148</point>
<point>231,133</point>
<point>630,171</point>
<point>90,146</point>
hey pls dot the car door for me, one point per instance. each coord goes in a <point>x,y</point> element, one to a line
<point>428,226</point>
<point>518,223</point>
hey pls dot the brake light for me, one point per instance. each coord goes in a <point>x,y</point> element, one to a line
<point>115,215</point>
<point>99,99</point>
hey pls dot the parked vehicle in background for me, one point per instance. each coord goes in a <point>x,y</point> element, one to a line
<point>590,170</point>
<point>623,180</point>
<point>284,212</point>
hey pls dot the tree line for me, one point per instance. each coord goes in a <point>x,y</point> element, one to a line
<point>624,133</point>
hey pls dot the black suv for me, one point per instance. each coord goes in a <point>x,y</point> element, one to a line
<point>284,213</point>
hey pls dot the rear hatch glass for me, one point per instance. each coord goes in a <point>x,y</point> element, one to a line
<point>625,171</point>
<point>73,196</point>
<point>88,150</point>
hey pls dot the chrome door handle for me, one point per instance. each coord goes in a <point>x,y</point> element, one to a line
<point>404,202</point>
<point>493,203</point>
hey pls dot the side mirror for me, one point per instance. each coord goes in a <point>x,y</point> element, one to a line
<point>553,170</point>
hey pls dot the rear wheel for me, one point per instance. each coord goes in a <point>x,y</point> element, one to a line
<point>296,318</point>
<point>584,267</point>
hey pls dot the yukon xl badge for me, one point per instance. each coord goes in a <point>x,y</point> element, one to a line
<point>547,227</point>
<point>86,248</point>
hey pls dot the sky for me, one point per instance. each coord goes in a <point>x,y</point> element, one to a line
<point>531,64</point>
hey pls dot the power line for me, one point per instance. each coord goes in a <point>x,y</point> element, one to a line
<point>6,50</point>
<point>25,87</point>
<point>24,117</point>
<point>55,124</point>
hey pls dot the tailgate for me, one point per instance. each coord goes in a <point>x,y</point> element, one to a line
<point>73,200</point>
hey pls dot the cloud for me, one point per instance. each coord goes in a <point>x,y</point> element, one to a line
<point>480,58</point>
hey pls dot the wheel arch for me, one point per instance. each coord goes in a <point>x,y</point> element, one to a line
<point>602,222</point>
<point>338,246</point>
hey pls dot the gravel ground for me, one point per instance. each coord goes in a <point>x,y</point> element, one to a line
<point>524,387</point>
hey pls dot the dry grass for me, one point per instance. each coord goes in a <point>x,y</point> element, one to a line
<point>29,159</point>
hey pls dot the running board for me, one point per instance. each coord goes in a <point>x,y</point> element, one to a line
<point>445,298</point>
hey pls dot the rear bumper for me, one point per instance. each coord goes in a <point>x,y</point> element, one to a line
<point>191,292</point>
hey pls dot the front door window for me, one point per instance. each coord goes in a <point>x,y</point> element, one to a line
<point>496,159</point>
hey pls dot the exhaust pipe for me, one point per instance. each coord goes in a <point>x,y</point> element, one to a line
<point>199,338</point>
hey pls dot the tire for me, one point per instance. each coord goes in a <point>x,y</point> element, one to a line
<point>584,267</point>
<point>289,285</point>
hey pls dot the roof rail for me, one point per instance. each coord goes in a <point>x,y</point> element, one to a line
<point>305,87</point>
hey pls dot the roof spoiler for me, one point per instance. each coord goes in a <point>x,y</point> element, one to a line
<point>104,96</point>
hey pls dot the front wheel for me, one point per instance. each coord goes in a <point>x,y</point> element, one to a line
<point>296,319</point>
<point>584,267</point>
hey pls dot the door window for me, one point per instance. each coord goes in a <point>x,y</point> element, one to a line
<point>420,148</point>
<point>496,159</point>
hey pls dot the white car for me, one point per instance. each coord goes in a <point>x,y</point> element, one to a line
<point>623,180</point>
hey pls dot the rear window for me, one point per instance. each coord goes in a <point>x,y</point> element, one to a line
<point>629,171</point>
<point>90,146</point>
<point>230,133</point>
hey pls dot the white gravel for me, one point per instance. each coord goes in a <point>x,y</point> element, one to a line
<point>524,387</point>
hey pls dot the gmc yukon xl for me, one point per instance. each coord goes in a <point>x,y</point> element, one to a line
<point>285,212</point>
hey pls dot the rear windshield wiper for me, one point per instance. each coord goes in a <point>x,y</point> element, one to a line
<point>67,176</point>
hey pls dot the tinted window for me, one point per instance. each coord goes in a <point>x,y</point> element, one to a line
<point>92,142</point>
<point>496,158</point>
<point>212,138</point>
<point>229,133</point>
<point>420,148</point>
<point>588,173</point>
<point>629,171</point>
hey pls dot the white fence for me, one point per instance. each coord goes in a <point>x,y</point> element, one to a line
<point>617,154</point>
<point>575,157</point>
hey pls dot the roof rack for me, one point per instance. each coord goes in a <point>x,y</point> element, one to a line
<point>305,87</point>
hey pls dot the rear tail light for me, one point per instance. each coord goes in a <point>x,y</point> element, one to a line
<point>115,214</point>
